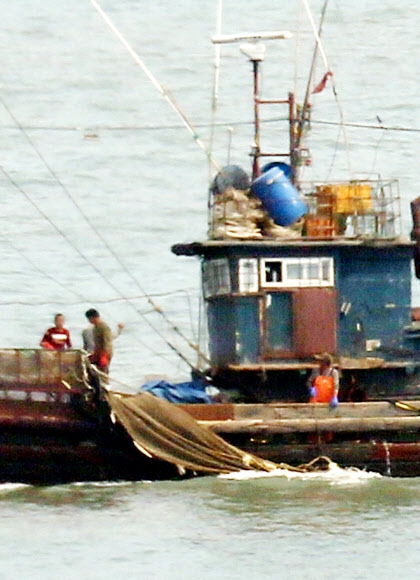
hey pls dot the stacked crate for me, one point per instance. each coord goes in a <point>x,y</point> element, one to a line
<point>334,202</point>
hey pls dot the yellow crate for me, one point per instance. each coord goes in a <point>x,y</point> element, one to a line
<point>360,195</point>
<point>344,198</point>
<point>332,198</point>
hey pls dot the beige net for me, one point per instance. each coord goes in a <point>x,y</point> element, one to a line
<point>164,431</point>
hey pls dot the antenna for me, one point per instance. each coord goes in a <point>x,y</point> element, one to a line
<point>271,35</point>
<point>255,51</point>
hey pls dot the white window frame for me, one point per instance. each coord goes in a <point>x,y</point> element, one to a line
<point>216,277</point>
<point>248,276</point>
<point>305,279</point>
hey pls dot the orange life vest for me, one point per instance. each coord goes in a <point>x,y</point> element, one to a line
<point>324,389</point>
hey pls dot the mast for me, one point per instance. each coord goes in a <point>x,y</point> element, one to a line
<point>255,51</point>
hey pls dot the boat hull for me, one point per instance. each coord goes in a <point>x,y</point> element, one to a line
<point>383,437</point>
<point>64,446</point>
<point>56,428</point>
<point>390,459</point>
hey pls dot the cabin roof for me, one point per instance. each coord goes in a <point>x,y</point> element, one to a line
<point>209,247</point>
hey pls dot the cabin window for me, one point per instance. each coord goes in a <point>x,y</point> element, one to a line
<point>248,275</point>
<point>216,277</point>
<point>297,272</point>
<point>273,271</point>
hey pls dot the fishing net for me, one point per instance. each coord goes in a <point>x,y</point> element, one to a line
<point>236,214</point>
<point>164,431</point>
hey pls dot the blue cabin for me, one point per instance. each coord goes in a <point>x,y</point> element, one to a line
<point>291,270</point>
<point>274,304</point>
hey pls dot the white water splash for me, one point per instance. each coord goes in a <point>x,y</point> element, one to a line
<point>10,487</point>
<point>335,475</point>
<point>101,484</point>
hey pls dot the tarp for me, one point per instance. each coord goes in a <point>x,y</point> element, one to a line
<point>187,392</point>
<point>166,432</point>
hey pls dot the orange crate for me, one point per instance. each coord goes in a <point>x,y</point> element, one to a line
<point>320,227</point>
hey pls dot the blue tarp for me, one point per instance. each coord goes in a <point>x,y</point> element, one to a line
<point>189,392</point>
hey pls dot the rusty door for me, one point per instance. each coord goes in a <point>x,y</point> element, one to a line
<point>315,321</point>
<point>299,323</point>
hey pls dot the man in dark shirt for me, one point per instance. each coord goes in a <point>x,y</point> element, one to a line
<point>102,336</point>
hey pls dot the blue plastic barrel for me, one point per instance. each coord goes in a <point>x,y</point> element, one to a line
<point>285,167</point>
<point>279,197</point>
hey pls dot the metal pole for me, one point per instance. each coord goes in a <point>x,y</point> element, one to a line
<point>256,148</point>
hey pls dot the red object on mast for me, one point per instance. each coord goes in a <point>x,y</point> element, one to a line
<point>321,86</point>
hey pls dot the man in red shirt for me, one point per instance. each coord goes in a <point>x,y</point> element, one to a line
<point>57,337</point>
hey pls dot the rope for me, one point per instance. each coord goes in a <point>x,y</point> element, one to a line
<point>368,126</point>
<point>83,299</point>
<point>317,36</point>
<point>208,125</point>
<point>327,69</point>
<point>334,156</point>
<point>217,51</point>
<point>163,91</point>
<point>92,265</point>
<point>311,72</point>
<point>156,308</point>
<point>298,36</point>
<point>36,267</point>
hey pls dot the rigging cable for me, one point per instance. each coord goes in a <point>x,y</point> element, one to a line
<point>163,91</point>
<point>375,156</point>
<point>299,28</point>
<point>328,70</point>
<point>155,307</point>
<point>311,75</point>
<point>207,125</point>
<point>215,95</point>
<point>171,100</point>
<point>35,266</point>
<point>334,155</point>
<point>369,126</point>
<point>62,234</point>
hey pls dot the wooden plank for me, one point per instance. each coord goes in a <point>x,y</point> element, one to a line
<point>283,411</point>
<point>217,412</point>
<point>337,425</point>
<point>344,363</point>
<point>320,411</point>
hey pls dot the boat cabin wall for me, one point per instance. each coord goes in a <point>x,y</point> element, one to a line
<point>287,304</point>
<point>375,301</point>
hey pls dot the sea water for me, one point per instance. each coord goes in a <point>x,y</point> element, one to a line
<point>99,178</point>
<point>349,525</point>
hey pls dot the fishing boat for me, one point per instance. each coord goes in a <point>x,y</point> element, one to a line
<point>291,271</point>
<point>60,423</point>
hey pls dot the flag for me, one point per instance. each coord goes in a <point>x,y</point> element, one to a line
<point>321,86</point>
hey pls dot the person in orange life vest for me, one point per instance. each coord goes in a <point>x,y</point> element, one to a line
<point>56,337</point>
<point>102,337</point>
<point>323,383</point>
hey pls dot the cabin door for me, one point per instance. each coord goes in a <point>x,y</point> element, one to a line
<point>299,323</point>
<point>278,324</point>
